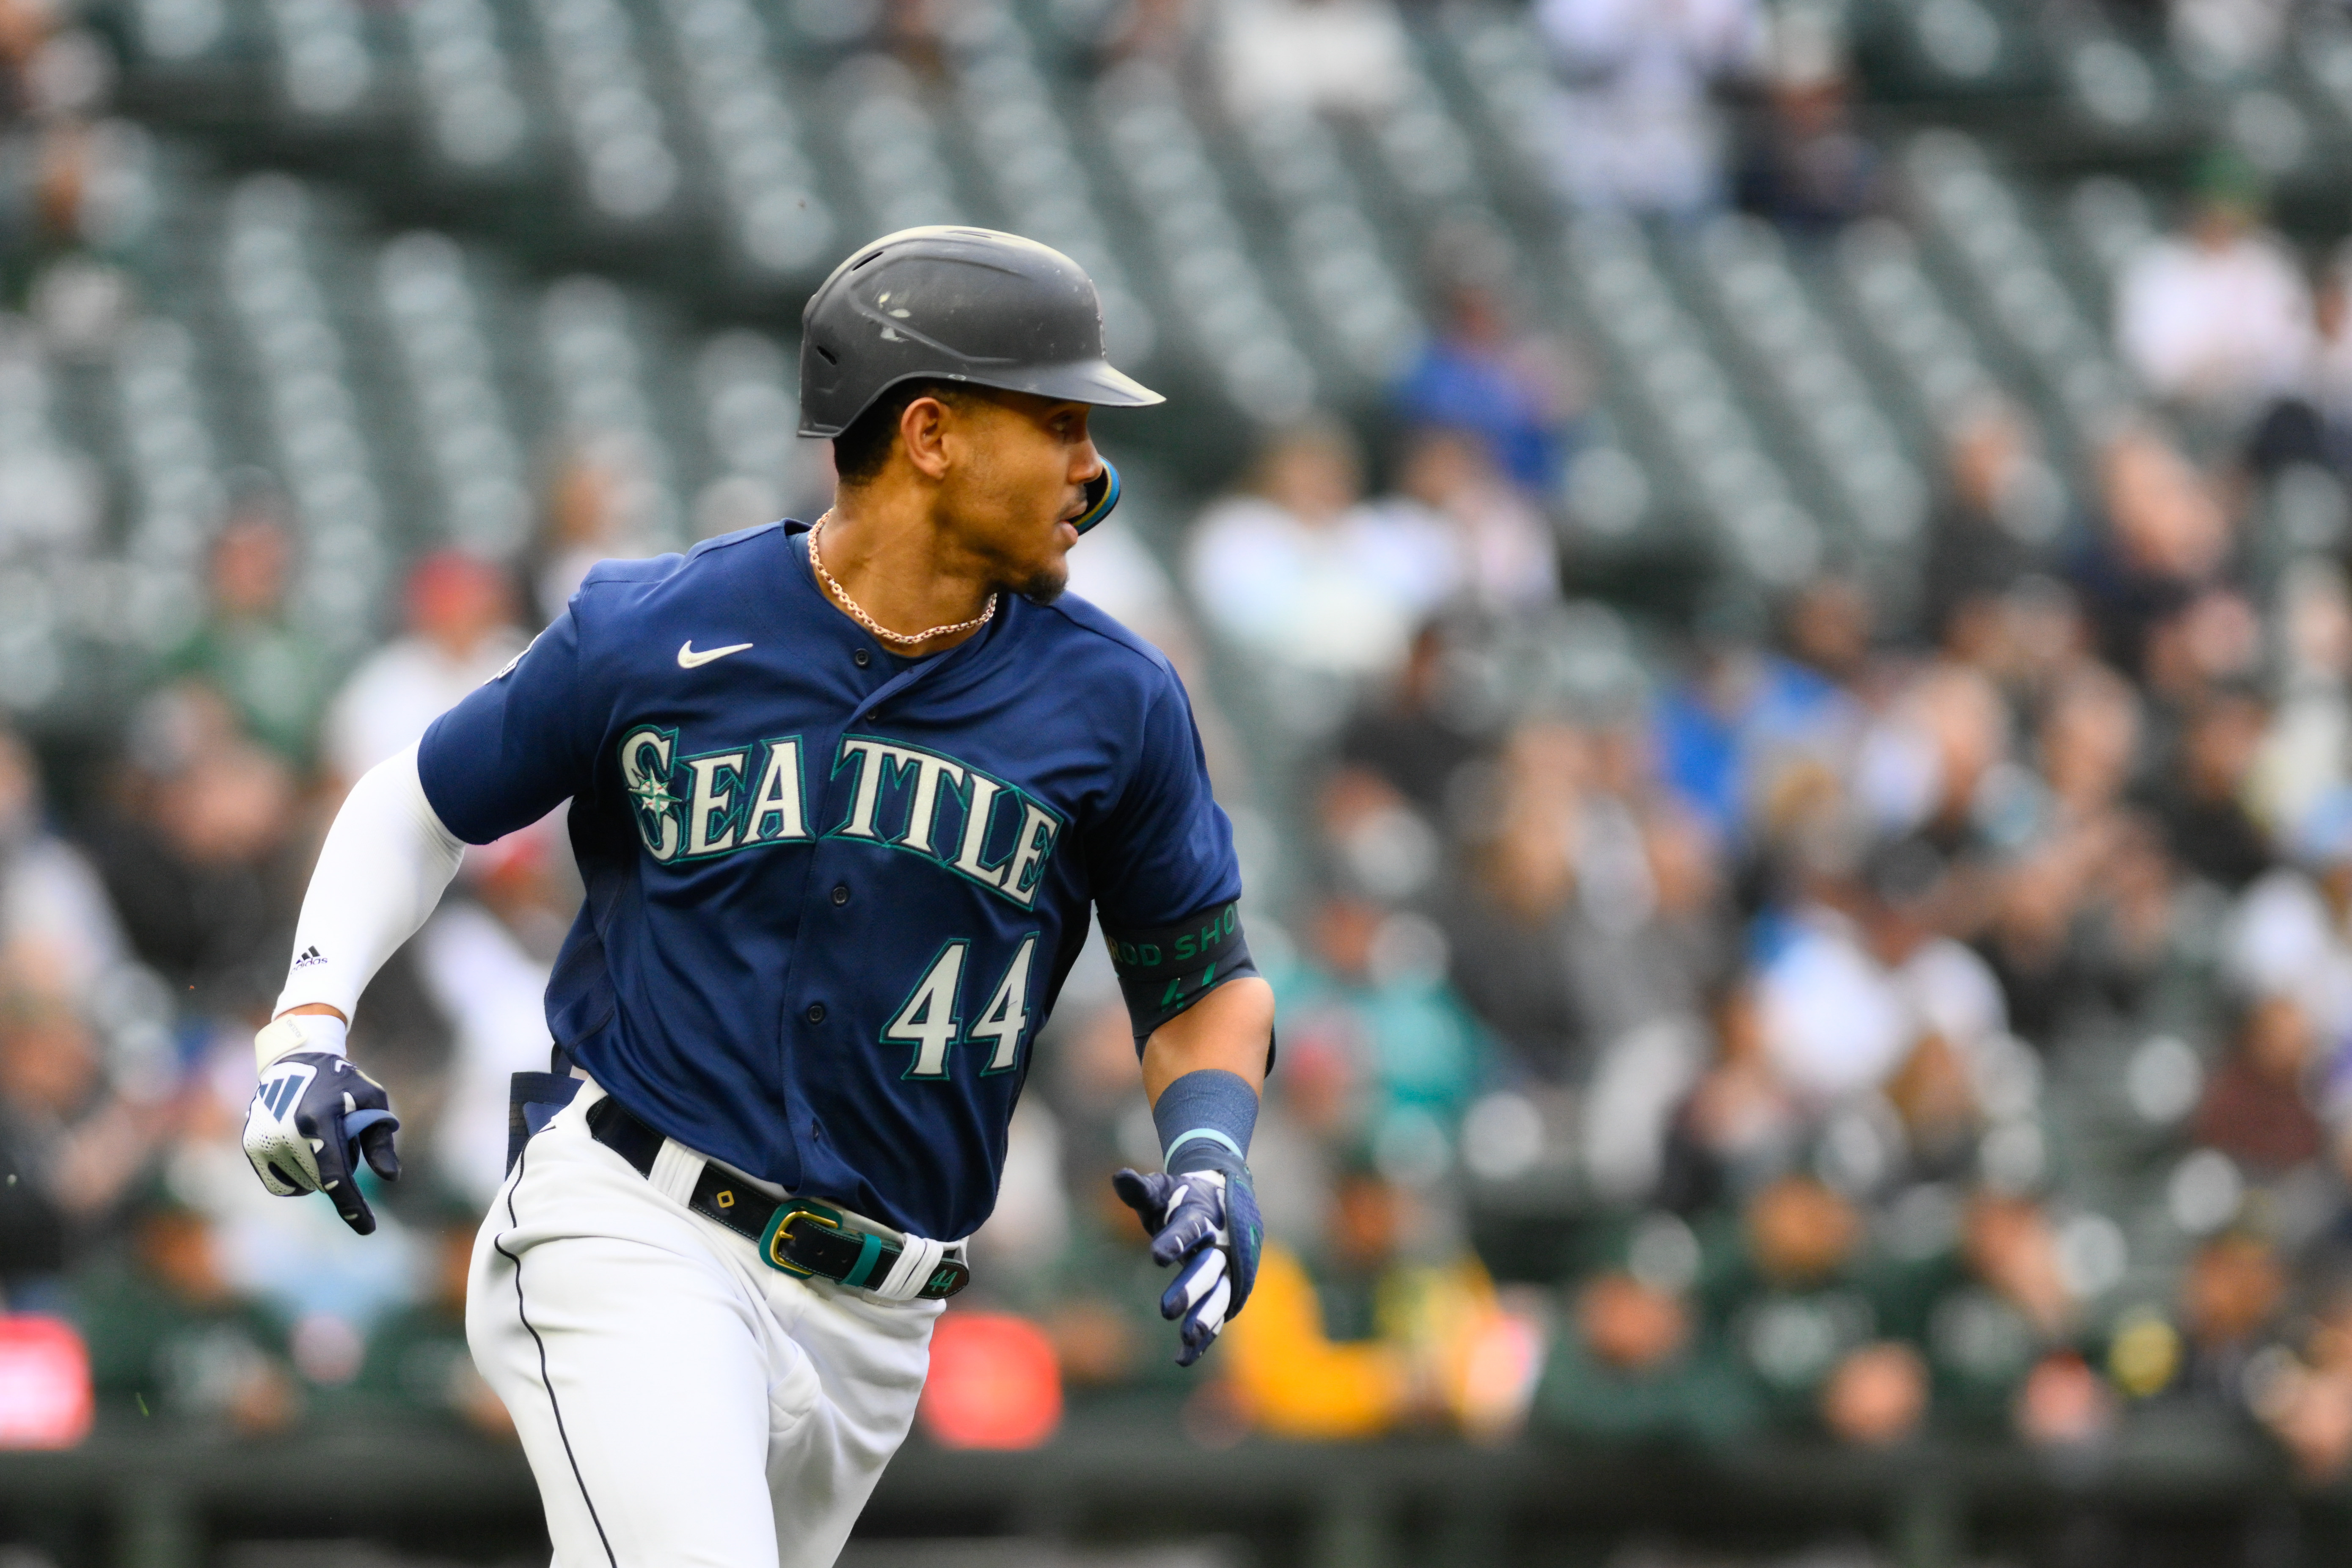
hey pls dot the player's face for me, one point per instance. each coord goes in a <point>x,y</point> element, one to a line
<point>1017,486</point>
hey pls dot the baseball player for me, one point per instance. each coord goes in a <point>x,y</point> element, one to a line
<point>841,796</point>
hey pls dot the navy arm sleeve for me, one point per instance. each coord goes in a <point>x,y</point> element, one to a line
<point>518,746</point>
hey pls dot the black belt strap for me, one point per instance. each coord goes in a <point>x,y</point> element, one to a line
<point>795,1236</point>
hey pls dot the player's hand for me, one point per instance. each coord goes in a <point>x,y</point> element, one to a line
<point>314,1117</point>
<point>1206,1222</point>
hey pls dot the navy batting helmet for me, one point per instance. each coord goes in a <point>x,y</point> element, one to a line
<point>963,305</point>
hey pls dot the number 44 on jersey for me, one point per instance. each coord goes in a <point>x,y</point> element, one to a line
<point>931,1021</point>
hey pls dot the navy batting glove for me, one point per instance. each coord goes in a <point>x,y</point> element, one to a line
<point>1206,1222</point>
<point>314,1117</point>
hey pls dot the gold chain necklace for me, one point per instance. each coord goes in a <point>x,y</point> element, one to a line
<point>858,612</point>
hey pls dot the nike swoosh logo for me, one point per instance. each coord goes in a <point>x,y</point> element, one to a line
<point>690,660</point>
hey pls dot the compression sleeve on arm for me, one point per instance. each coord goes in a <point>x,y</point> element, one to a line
<point>1163,970</point>
<point>385,863</point>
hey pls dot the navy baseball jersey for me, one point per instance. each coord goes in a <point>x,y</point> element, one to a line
<point>831,893</point>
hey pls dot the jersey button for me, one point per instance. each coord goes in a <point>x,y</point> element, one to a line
<point>862,657</point>
<point>841,892</point>
<point>816,1012</point>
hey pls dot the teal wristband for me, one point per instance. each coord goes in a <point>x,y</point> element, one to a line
<point>1209,1133</point>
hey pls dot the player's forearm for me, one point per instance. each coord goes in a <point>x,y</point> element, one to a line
<point>384,866</point>
<point>1227,1029</point>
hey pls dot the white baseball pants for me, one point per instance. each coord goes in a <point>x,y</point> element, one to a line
<point>682,1403</point>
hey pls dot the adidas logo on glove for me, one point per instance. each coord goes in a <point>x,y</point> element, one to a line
<point>314,1117</point>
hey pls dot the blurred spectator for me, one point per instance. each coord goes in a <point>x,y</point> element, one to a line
<point>2306,1402</point>
<point>24,23</point>
<point>2203,800</point>
<point>1503,558</point>
<point>1410,738</point>
<point>1829,624</point>
<point>76,206</point>
<point>1634,124</point>
<point>1925,767</point>
<point>69,1144</point>
<point>1748,733</point>
<point>2306,756</point>
<point>2217,318</point>
<point>483,960</point>
<point>1810,171</point>
<point>1632,1362</point>
<point>1876,1396</point>
<point>1032,1221</point>
<point>1661,945</point>
<point>276,678</point>
<point>2080,907</point>
<point>1740,1125</point>
<point>1860,980</point>
<point>1294,569</point>
<point>2084,920</point>
<point>416,1359</point>
<point>1346,56</point>
<point>1999,1323</point>
<point>2167,538</point>
<point>2290,934</point>
<point>1371,989</point>
<point>2329,377</point>
<point>2256,1110</point>
<point>2026,640</point>
<point>460,633</point>
<point>1354,1341</point>
<point>51,901</point>
<point>2088,742</point>
<point>1580,919</point>
<point>1514,921</point>
<point>1999,514</point>
<point>2310,420</point>
<point>2212,643</point>
<point>192,851</point>
<point>1798,1303</point>
<point>169,1335</point>
<point>1098,1299</point>
<point>2231,1295</point>
<point>1483,374</point>
<point>2063,1404</point>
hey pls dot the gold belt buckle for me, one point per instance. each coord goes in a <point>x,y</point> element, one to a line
<point>780,1231</point>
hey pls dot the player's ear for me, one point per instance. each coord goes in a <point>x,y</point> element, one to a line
<point>923,431</point>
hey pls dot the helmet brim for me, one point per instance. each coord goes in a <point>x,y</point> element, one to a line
<point>1094,381</point>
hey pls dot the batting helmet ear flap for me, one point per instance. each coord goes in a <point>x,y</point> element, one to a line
<point>1102,494</point>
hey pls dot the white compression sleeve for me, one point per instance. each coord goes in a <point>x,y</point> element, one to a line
<point>384,866</point>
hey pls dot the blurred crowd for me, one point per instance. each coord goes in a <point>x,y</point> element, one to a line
<point>137,957</point>
<point>1850,1010</point>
